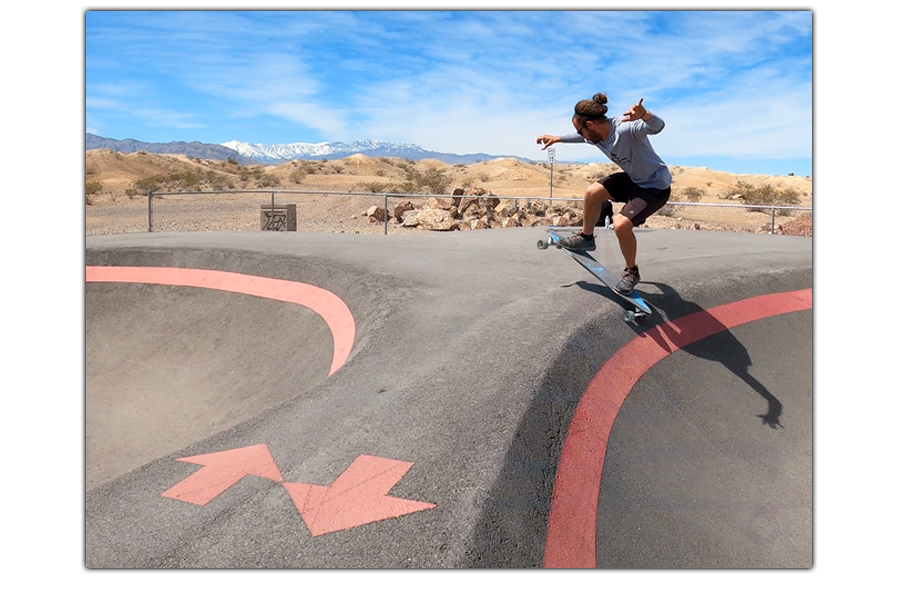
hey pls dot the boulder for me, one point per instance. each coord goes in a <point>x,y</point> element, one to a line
<point>505,209</point>
<point>410,218</point>
<point>440,203</point>
<point>375,214</point>
<point>401,209</point>
<point>435,219</point>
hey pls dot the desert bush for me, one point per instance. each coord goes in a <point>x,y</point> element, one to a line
<point>92,188</point>
<point>214,181</point>
<point>375,187</point>
<point>145,185</point>
<point>267,180</point>
<point>788,197</point>
<point>692,194</point>
<point>185,179</point>
<point>298,175</point>
<point>667,210</point>
<point>765,195</point>
<point>179,180</point>
<point>433,180</point>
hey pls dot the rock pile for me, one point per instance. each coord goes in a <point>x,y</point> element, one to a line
<point>476,208</point>
<point>799,227</point>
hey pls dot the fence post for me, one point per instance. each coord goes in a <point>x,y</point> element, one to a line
<point>773,221</point>
<point>385,213</point>
<point>150,211</point>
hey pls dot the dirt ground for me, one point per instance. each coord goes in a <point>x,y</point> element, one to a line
<point>117,185</point>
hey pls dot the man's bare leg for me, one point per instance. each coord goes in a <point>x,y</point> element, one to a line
<point>627,241</point>
<point>594,196</point>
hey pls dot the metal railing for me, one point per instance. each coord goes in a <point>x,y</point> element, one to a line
<point>335,211</point>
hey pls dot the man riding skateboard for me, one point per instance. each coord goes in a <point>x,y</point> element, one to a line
<point>644,184</point>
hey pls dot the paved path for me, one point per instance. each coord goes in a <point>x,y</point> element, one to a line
<point>446,400</point>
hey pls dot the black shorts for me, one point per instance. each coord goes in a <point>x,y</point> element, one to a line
<point>640,202</point>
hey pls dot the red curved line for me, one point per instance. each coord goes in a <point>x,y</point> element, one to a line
<point>328,305</point>
<point>571,529</point>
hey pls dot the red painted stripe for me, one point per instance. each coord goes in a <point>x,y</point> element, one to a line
<point>571,530</point>
<point>328,305</point>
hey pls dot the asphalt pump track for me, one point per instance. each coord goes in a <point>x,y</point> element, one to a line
<point>454,400</point>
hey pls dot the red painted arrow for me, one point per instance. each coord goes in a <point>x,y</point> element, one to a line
<point>223,470</point>
<point>357,497</point>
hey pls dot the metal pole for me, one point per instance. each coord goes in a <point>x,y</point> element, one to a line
<point>551,179</point>
<point>385,214</point>
<point>551,156</point>
<point>150,211</point>
<point>773,221</point>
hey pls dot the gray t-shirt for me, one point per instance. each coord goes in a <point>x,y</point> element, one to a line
<point>628,146</point>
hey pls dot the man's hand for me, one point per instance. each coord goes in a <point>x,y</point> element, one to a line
<point>546,140</point>
<point>637,111</point>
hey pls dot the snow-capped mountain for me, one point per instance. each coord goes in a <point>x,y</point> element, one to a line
<point>305,150</point>
<point>247,153</point>
<point>273,153</point>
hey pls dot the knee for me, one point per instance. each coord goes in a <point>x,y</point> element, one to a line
<point>622,225</point>
<point>596,193</point>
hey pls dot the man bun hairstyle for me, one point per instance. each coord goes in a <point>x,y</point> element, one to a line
<point>592,109</point>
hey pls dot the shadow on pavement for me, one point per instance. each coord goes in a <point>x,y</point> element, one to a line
<point>520,499</point>
<point>721,346</point>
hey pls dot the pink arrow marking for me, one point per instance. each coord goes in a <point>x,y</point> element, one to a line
<point>221,471</point>
<point>357,497</point>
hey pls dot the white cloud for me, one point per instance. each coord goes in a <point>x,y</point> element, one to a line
<point>754,125</point>
<point>329,121</point>
<point>168,118</point>
<point>482,81</point>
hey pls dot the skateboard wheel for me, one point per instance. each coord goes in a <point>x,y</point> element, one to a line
<point>542,244</point>
<point>628,316</point>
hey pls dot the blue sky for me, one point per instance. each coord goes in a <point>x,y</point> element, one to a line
<point>735,88</point>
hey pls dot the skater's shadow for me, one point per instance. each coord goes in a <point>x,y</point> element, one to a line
<point>674,324</point>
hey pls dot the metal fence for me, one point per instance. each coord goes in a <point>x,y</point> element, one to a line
<point>254,210</point>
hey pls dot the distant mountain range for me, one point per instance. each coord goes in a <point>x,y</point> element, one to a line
<point>248,153</point>
<point>192,149</point>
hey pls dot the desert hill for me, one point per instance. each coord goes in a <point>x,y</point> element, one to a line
<point>112,176</point>
<point>116,184</point>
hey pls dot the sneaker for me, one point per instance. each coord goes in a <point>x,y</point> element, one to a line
<point>630,278</point>
<point>578,243</point>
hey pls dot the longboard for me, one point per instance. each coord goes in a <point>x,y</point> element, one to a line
<point>640,307</point>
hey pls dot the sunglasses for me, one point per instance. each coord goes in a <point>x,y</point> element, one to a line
<point>580,131</point>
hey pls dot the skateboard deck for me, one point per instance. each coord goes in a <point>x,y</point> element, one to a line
<point>639,307</point>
